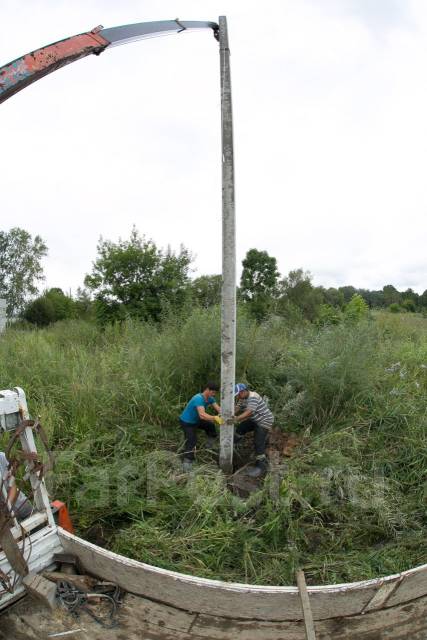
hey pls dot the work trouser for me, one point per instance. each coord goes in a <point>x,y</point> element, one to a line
<point>190,433</point>
<point>260,436</point>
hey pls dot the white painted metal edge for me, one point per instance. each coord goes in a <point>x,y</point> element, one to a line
<point>44,544</point>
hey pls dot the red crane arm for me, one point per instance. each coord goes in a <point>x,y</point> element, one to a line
<point>18,74</point>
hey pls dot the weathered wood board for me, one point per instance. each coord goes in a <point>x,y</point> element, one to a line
<point>240,601</point>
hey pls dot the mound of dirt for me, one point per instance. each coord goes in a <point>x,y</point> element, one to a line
<point>281,446</point>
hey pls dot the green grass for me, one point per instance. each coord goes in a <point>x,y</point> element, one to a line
<point>350,504</point>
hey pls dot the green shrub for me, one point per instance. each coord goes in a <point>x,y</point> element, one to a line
<point>52,306</point>
<point>328,314</point>
<point>357,309</point>
<point>395,308</point>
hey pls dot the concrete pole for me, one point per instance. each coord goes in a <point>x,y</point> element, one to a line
<point>228,302</point>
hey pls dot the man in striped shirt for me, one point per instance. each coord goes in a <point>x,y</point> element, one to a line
<point>253,414</point>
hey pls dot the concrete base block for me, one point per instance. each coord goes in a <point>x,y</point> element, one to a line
<point>41,589</point>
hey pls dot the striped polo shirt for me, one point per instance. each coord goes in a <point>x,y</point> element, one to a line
<point>261,414</point>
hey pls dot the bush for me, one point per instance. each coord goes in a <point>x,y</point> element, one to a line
<point>40,312</point>
<point>327,314</point>
<point>409,305</point>
<point>356,309</point>
<point>52,306</point>
<point>395,308</point>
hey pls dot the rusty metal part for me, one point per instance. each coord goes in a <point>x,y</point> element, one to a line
<point>8,543</point>
<point>37,427</point>
<point>23,71</point>
<point>20,73</point>
<point>5,582</point>
<point>15,554</point>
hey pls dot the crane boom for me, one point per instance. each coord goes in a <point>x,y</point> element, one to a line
<point>23,71</point>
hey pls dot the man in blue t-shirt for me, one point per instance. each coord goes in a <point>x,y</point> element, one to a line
<point>195,417</point>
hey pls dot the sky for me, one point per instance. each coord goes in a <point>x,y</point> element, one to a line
<point>330,134</point>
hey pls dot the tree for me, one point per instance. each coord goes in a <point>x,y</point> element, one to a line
<point>356,309</point>
<point>391,295</point>
<point>411,300</point>
<point>333,297</point>
<point>297,290</point>
<point>423,299</point>
<point>259,281</point>
<point>135,278</point>
<point>348,292</point>
<point>20,267</point>
<point>207,290</point>
<point>375,299</point>
<point>83,303</point>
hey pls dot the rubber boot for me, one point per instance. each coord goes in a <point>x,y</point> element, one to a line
<point>259,469</point>
<point>187,465</point>
<point>210,443</point>
<point>238,440</point>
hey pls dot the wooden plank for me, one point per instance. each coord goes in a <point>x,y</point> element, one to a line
<point>400,623</point>
<point>310,632</point>
<point>159,615</point>
<point>232,600</point>
<point>382,595</point>
<point>140,618</point>
<point>82,583</point>
<point>412,585</point>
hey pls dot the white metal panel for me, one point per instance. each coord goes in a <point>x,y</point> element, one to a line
<point>39,554</point>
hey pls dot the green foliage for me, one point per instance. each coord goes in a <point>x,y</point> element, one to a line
<point>395,308</point>
<point>357,309</point>
<point>83,304</point>
<point>258,283</point>
<point>133,278</point>
<point>348,505</point>
<point>333,297</point>
<point>40,312</point>
<point>52,306</point>
<point>328,314</point>
<point>206,290</point>
<point>347,292</point>
<point>20,267</point>
<point>408,304</point>
<point>298,290</point>
<point>391,295</point>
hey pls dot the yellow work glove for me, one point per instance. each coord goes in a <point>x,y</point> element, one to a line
<point>219,421</point>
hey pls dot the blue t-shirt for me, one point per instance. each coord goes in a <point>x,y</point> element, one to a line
<point>190,413</point>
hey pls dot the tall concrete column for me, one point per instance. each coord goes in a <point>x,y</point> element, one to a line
<point>228,304</point>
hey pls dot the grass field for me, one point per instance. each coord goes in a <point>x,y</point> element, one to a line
<point>350,504</point>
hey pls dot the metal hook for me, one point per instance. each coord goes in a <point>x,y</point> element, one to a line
<point>180,25</point>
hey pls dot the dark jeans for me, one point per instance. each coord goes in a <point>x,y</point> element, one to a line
<point>260,435</point>
<point>190,433</point>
